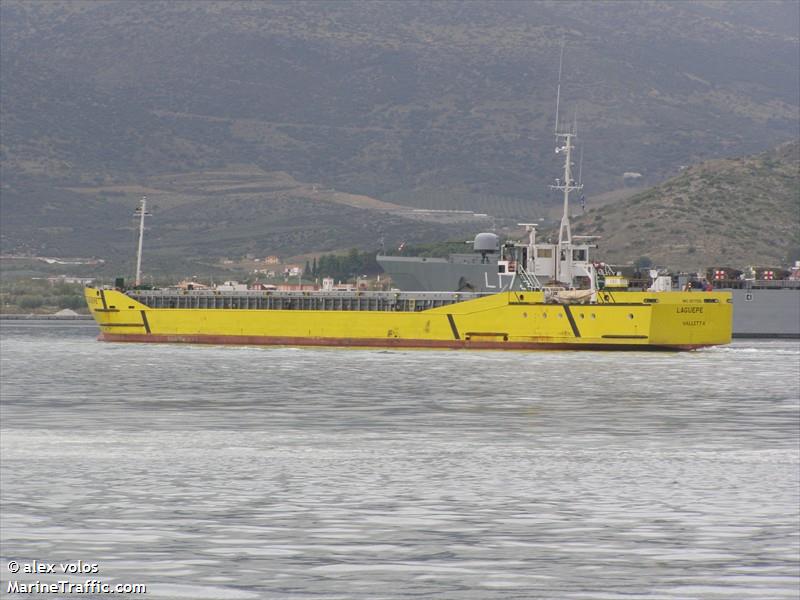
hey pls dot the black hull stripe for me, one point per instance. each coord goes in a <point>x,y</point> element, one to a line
<point>144,321</point>
<point>453,327</point>
<point>572,323</point>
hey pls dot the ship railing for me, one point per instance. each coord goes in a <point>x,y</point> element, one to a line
<point>304,293</point>
<point>296,300</point>
<point>606,270</point>
<point>765,284</point>
<point>528,280</point>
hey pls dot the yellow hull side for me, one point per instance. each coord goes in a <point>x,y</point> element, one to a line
<point>513,320</point>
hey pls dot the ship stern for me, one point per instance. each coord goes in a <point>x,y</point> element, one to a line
<point>693,320</point>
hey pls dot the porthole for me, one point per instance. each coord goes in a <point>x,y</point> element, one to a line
<point>630,315</point>
<point>594,316</point>
<point>581,315</point>
<point>560,316</point>
<point>524,315</point>
<point>544,315</point>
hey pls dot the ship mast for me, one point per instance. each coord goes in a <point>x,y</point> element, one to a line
<point>566,186</point>
<point>140,212</point>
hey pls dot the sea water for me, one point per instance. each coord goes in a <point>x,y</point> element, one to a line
<point>243,472</point>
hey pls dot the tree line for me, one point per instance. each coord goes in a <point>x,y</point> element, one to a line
<point>342,267</point>
<point>40,295</point>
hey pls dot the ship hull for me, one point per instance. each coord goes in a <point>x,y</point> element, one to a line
<point>410,344</point>
<point>773,313</point>
<point>507,321</point>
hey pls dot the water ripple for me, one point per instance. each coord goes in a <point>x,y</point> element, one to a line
<point>218,472</point>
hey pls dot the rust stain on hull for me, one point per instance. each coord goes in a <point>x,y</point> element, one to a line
<point>251,340</point>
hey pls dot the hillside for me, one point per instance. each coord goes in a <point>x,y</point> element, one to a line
<point>294,127</point>
<point>207,216</point>
<point>729,212</point>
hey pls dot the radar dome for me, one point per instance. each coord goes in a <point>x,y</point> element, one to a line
<point>486,242</point>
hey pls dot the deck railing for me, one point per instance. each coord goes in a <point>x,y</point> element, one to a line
<point>274,300</point>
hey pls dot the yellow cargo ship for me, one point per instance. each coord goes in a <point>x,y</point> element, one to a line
<point>580,305</point>
<point>513,320</point>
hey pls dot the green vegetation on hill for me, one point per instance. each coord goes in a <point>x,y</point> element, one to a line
<point>343,267</point>
<point>40,296</point>
<point>730,212</point>
<point>433,249</point>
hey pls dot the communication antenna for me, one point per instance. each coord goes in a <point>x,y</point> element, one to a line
<point>558,89</point>
<point>140,212</point>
